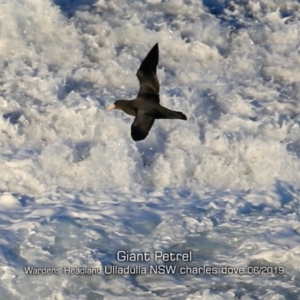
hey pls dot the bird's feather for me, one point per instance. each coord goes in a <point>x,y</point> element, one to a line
<point>146,107</point>
<point>141,125</point>
<point>146,74</point>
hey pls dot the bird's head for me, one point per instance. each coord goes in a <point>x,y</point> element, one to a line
<point>116,105</point>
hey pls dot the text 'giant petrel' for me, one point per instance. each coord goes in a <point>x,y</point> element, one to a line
<point>146,107</point>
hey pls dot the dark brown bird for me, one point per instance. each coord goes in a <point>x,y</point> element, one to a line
<point>146,107</point>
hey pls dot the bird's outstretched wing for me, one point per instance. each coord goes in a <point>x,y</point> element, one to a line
<point>147,74</point>
<point>141,125</point>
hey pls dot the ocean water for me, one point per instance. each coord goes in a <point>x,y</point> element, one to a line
<point>222,188</point>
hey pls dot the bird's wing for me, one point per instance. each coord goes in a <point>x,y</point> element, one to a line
<point>141,125</point>
<point>147,75</point>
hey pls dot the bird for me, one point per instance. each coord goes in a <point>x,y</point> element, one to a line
<point>146,106</point>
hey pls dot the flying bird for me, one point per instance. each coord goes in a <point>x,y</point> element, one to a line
<point>146,106</point>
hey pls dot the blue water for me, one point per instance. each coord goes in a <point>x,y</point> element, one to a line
<point>75,189</point>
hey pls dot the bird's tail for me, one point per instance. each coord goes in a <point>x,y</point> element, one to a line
<point>166,113</point>
<point>180,115</point>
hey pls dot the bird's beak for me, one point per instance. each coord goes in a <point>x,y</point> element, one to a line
<point>111,107</point>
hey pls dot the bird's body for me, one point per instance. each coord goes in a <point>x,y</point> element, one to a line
<point>146,107</point>
<point>158,111</point>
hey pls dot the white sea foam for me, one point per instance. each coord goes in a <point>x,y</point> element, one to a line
<point>225,184</point>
